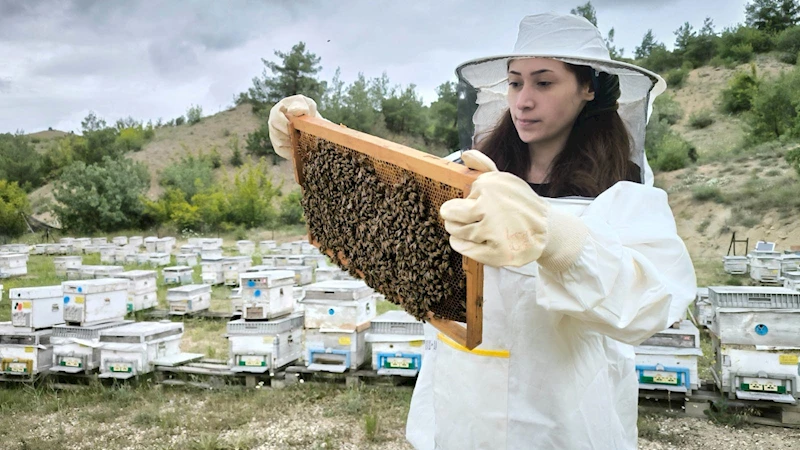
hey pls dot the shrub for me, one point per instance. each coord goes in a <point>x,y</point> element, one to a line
<point>787,58</point>
<point>774,108</point>
<point>251,196</point>
<point>215,158</point>
<point>194,114</point>
<point>788,41</point>
<point>259,145</point>
<point>236,157</point>
<point>172,208</point>
<point>675,78</point>
<point>793,158</point>
<point>130,139</point>
<point>672,154</point>
<point>701,119</point>
<point>101,197</point>
<point>13,204</point>
<point>666,108</point>
<point>179,121</point>
<point>705,192</point>
<point>738,97</point>
<point>189,175</point>
<point>291,209</point>
<point>740,43</point>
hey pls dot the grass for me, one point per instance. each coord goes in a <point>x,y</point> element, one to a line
<point>649,429</point>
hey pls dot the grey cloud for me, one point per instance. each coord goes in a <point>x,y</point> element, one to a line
<point>5,85</point>
<point>173,58</point>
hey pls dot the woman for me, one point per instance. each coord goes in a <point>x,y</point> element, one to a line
<point>582,257</point>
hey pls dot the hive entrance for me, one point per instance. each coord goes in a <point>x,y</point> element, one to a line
<point>373,207</point>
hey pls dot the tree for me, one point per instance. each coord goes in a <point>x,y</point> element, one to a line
<point>190,175</point>
<point>295,74</point>
<point>444,116</point>
<point>291,209</point>
<point>332,106</point>
<point>613,51</point>
<point>772,15</point>
<point>101,197</point>
<point>648,42</point>
<point>405,113</point>
<point>13,204</point>
<point>359,113</point>
<point>19,162</point>
<point>587,11</point>
<point>236,156</point>
<point>258,144</point>
<point>251,196</point>
<point>194,114</point>
<point>683,37</point>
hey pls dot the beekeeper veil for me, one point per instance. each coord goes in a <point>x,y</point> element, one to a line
<point>483,82</point>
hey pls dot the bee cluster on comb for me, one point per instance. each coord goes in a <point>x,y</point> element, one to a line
<point>384,228</point>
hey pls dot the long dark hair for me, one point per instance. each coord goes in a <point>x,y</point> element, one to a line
<point>597,152</point>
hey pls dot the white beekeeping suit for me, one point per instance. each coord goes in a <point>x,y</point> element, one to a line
<point>556,366</point>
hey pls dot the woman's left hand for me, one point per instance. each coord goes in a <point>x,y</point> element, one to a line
<point>502,222</point>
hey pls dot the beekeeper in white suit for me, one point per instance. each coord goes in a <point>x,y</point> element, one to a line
<point>582,256</point>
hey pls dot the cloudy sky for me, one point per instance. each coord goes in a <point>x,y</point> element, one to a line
<point>61,59</point>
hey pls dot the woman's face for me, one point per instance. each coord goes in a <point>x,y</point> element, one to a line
<point>544,98</point>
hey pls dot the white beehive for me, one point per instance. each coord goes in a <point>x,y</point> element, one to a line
<point>237,305</point>
<point>13,264</point>
<point>136,241</point>
<point>36,307</point>
<point>271,261</point>
<point>293,260</point>
<point>211,253</point>
<point>327,273</point>
<point>107,271</point>
<point>765,267</point>
<point>75,273</point>
<point>88,302</point>
<point>767,327</point>
<point>129,350</point>
<point>164,245</point>
<point>751,373</point>
<point>76,349</point>
<point>397,340</point>
<point>260,347</point>
<point>66,241</point>
<point>246,248</point>
<point>81,243</point>
<point>791,280</point>
<point>90,249</point>
<point>120,240</point>
<point>265,247</point>
<point>191,249</point>
<point>338,304</point>
<point>703,310</point>
<point>62,263</point>
<point>121,254</point>
<point>212,270</point>
<point>142,259</point>
<point>186,259</point>
<point>296,247</point>
<point>735,265</point>
<point>336,350</point>
<point>753,297</point>
<point>150,244</point>
<point>314,261</point>
<point>234,265</point>
<point>99,241</point>
<point>303,275</point>
<point>668,360</point>
<point>790,262</point>
<point>142,289</point>
<point>189,299</point>
<point>158,259</point>
<point>211,243</point>
<point>266,295</point>
<point>39,249</point>
<point>15,248</point>
<point>178,275</point>
<point>24,353</point>
<point>53,249</point>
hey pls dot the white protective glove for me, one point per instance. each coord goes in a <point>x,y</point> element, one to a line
<point>503,222</point>
<point>295,106</point>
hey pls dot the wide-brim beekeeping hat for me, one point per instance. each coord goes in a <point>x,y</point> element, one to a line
<point>573,40</point>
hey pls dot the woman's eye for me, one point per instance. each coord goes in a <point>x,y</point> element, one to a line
<point>544,83</point>
<point>514,84</point>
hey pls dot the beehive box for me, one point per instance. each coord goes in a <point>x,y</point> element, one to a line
<point>158,259</point>
<point>327,273</point>
<point>150,244</point>
<point>130,350</point>
<point>66,241</point>
<point>397,340</point>
<point>136,241</point>
<point>668,360</point>
<point>212,270</point>
<point>164,245</point>
<point>13,264</point>
<point>259,347</point>
<point>265,247</point>
<point>142,289</point>
<point>750,373</point>
<point>36,307</point>
<point>62,263</point>
<point>303,275</point>
<point>790,262</point>
<point>791,280</point>
<point>335,349</point>
<point>395,193</point>
<point>82,243</point>
<point>338,304</point>
<point>189,299</point>
<point>75,273</point>
<point>703,309</point>
<point>748,326</point>
<point>186,259</point>
<point>107,271</point>
<point>24,353</point>
<point>211,253</point>
<point>234,265</point>
<point>753,297</point>
<point>54,249</point>
<point>100,241</point>
<point>120,240</point>
<point>266,295</point>
<point>735,265</point>
<point>313,261</point>
<point>210,243</point>
<point>245,247</point>
<point>39,249</point>
<point>178,275</point>
<point>88,302</point>
<point>765,268</point>
<point>686,335</point>
<point>15,248</point>
<point>76,349</point>
<point>121,254</point>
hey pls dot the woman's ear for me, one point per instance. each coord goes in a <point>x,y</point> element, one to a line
<point>587,92</point>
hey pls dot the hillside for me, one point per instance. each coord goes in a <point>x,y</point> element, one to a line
<point>757,179</point>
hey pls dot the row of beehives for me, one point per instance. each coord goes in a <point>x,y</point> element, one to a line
<point>755,333</point>
<point>766,266</point>
<point>13,264</point>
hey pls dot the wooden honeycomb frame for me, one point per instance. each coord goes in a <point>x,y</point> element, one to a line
<point>454,175</point>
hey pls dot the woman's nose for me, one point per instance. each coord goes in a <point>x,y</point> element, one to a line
<point>525,98</point>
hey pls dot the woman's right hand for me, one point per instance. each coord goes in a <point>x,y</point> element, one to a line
<point>294,106</point>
